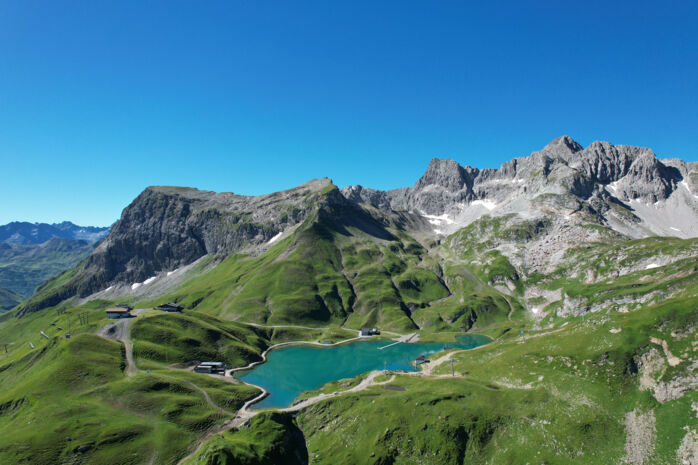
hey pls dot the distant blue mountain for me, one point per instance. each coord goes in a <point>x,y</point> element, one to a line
<point>22,232</point>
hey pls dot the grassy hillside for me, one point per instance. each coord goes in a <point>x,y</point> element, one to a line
<point>590,385</point>
<point>353,276</point>
<point>575,394</point>
<point>70,402</point>
<point>593,361</point>
<point>174,338</point>
<point>270,439</point>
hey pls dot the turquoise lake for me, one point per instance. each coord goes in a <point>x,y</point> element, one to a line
<point>292,370</point>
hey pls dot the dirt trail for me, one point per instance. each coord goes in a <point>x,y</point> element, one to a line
<point>258,325</point>
<point>244,414</point>
<point>672,359</point>
<point>428,368</point>
<point>121,331</point>
<point>218,430</point>
<point>203,392</point>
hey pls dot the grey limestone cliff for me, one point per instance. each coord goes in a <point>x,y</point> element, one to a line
<point>628,188</point>
<point>165,228</point>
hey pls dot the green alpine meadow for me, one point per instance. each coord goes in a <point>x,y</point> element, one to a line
<point>545,312</point>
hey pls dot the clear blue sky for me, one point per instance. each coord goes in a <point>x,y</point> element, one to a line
<point>99,99</point>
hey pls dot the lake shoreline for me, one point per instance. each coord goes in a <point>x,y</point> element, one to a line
<point>364,363</point>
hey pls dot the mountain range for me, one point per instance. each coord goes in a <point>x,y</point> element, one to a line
<point>568,194</point>
<point>31,253</point>
<point>580,264</point>
<point>22,232</point>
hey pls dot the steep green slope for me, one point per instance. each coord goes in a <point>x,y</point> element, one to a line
<point>578,372</point>
<point>593,384</point>
<point>71,402</point>
<point>333,270</point>
<point>174,338</point>
<point>270,439</point>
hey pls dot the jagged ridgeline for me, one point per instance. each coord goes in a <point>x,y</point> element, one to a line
<point>580,263</point>
<point>317,254</point>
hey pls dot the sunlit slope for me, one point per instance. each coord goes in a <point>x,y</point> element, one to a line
<point>71,402</point>
<point>343,264</point>
<point>581,393</point>
<point>335,269</point>
<point>355,274</point>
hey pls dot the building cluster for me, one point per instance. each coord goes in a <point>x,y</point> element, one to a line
<point>124,311</point>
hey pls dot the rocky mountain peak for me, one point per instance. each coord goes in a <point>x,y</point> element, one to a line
<point>622,185</point>
<point>169,227</point>
<point>563,145</point>
<point>446,173</point>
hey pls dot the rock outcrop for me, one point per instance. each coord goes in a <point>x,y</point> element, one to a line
<point>165,228</point>
<point>627,187</point>
<point>546,201</point>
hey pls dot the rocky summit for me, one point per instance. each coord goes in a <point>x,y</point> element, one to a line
<point>555,301</point>
<point>564,187</point>
<point>626,188</point>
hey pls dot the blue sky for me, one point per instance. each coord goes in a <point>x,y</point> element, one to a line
<point>100,99</point>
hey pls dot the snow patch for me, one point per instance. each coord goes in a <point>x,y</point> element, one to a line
<point>170,273</point>
<point>438,231</point>
<point>651,265</point>
<point>613,186</point>
<point>535,310</point>
<point>639,201</point>
<point>437,220</point>
<point>135,286</point>
<point>675,229</point>
<point>108,289</point>
<point>275,238</point>
<point>150,280</point>
<point>615,330</point>
<point>488,204</point>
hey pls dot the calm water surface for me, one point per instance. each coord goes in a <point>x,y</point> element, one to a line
<point>292,370</point>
